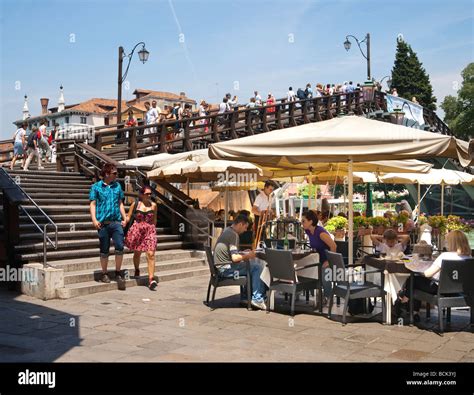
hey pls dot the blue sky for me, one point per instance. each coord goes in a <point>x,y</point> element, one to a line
<point>264,45</point>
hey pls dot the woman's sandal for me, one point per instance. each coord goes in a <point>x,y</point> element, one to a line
<point>137,272</point>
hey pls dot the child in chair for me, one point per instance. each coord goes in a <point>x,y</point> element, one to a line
<point>390,243</point>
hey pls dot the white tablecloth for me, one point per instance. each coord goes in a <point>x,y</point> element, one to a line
<point>311,272</point>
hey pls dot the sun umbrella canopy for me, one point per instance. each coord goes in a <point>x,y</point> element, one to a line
<point>210,170</point>
<point>340,139</point>
<point>433,177</point>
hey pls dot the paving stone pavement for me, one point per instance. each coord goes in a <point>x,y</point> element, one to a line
<point>173,324</point>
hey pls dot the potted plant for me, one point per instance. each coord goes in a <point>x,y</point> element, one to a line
<point>379,224</point>
<point>362,226</point>
<point>400,222</point>
<point>438,223</point>
<point>337,226</point>
<point>453,222</point>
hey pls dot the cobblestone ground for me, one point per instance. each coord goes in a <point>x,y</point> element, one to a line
<point>173,324</point>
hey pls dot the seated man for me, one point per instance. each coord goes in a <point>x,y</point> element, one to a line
<point>230,262</point>
<point>390,243</point>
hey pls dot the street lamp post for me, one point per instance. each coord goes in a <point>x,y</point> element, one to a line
<point>143,56</point>
<point>347,46</point>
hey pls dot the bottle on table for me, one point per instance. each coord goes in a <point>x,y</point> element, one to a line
<point>286,243</point>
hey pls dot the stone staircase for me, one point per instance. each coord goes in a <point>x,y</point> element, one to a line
<point>64,198</point>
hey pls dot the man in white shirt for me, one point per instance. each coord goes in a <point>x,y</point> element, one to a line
<point>258,98</point>
<point>291,95</point>
<point>262,202</point>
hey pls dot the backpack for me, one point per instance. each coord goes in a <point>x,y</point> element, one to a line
<point>359,306</point>
<point>31,137</point>
<point>301,94</point>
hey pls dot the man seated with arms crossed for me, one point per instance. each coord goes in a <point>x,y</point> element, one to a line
<point>390,243</point>
<point>231,262</point>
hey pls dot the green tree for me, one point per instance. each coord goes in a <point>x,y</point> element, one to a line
<point>459,111</point>
<point>409,76</point>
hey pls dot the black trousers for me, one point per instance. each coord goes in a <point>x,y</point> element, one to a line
<point>424,284</point>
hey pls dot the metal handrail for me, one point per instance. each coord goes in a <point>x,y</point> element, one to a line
<point>46,238</point>
<point>137,170</point>
<point>155,194</point>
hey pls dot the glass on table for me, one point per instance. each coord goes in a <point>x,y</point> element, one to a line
<point>274,244</point>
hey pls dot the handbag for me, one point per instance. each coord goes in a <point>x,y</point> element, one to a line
<point>132,219</point>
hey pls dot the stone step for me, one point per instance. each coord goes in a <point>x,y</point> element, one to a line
<point>82,276</point>
<point>92,263</point>
<point>86,225</point>
<point>65,200</point>
<point>54,209</point>
<point>55,255</point>
<point>41,185</point>
<point>57,218</point>
<point>83,242</point>
<point>77,233</point>
<point>48,176</point>
<point>63,194</point>
<point>51,171</point>
<point>87,288</point>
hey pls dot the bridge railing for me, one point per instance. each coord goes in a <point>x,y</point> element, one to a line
<point>197,132</point>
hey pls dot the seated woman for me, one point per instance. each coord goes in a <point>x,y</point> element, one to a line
<point>390,243</point>
<point>321,241</point>
<point>458,249</point>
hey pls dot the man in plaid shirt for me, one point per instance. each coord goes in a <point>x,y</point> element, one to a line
<point>109,218</point>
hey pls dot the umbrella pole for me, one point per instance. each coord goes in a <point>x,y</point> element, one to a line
<point>226,200</point>
<point>187,185</point>
<point>351,214</point>
<point>442,198</point>
<point>419,201</point>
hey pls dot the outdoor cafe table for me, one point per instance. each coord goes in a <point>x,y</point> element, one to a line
<point>396,273</point>
<point>301,258</point>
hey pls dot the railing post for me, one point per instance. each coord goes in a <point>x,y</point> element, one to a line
<point>215,129</point>
<point>98,142</point>
<point>248,122</point>
<point>77,166</point>
<point>233,121</point>
<point>163,132</point>
<point>292,113</point>
<point>305,111</point>
<point>59,157</point>
<point>338,104</point>
<point>264,120</point>
<point>317,115</point>
<point>328,107</point>
<point>187,142</point>
<point>132,144</point>
<point>279,124</point>
<point>359,109</point>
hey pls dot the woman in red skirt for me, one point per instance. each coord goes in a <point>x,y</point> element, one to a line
<point>141,236</point>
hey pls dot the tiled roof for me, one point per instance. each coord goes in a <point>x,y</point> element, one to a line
<point>150,94</point>
<point>98,106</point>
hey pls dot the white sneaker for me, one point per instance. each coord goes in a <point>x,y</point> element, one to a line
<point>259,305</point>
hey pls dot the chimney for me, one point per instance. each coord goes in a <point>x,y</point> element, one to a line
<point>182,95</point>
<point>44,105</point>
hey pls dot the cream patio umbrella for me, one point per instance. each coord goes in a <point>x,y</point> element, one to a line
<point>209,170</point>
<point>347,139</point>
<point>433,177</point>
